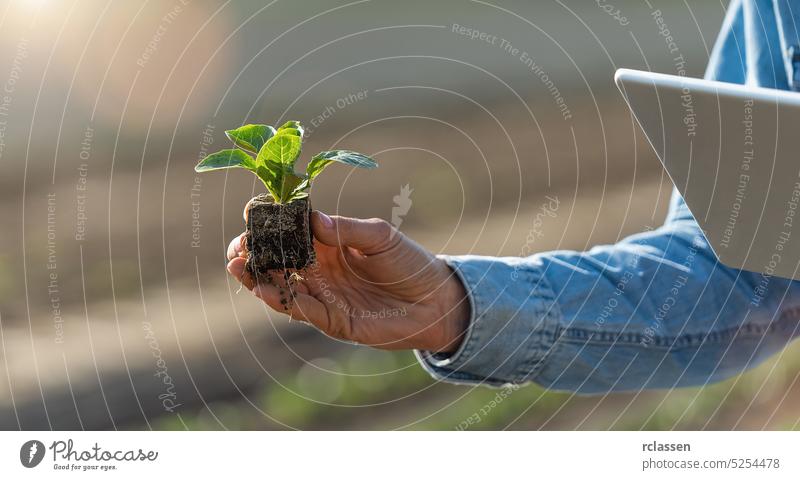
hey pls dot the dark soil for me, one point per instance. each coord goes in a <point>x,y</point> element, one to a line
<point>278,237</point>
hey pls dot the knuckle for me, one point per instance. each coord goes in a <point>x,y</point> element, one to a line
<point>380,227</point>
<point>344,228</point>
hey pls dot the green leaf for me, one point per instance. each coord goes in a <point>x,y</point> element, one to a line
<point>293,125</point>
<point>278,156</point>
<point>270,180</point>
<point>251,137</point>
<point>323,159</point>
<point>226,159</point>
<point>280,150</point>
<point>276,153</point>
<point>297,194</point>
<point>289,183</point>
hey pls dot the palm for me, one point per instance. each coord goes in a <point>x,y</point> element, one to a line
<point>372,285</point>
<point>364,285</point>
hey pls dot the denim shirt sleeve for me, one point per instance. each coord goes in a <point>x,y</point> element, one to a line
<point>656,310</point>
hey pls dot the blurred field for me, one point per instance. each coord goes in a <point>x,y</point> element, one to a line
<point>115,102</point>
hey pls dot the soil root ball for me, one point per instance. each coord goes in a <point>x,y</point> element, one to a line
<point>278,236</point>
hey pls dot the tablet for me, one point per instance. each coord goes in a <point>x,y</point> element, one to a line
<point>733,152</point>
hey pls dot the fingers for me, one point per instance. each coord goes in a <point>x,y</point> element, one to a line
<point>306,308</point>
<point>236,247</point>
<point>287,280</point>
<point>236,268</point>
<point>297,305</point>
<point>237,271</point>
<point>372,236</point>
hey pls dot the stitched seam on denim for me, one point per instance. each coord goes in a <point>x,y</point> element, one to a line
<point>459,369</point>
<point>537,347</point>
<point>478,316</point>
<point>477,341</point>
<point>584,336</point>
<point>543,300</point>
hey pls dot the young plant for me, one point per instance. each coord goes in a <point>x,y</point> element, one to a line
<point>271,154</point>
<point>278,234</point>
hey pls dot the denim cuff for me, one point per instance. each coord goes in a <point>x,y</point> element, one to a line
<point>512,325</point>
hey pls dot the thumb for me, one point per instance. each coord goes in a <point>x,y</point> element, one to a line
<point>370,236</point>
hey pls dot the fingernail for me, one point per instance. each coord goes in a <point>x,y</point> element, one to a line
<point>327,221</point>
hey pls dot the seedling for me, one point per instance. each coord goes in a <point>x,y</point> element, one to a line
<point>278,234</point>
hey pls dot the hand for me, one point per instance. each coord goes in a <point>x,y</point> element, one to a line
<point>371,285</point>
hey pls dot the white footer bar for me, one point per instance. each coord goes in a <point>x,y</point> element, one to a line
<point>379,455</point>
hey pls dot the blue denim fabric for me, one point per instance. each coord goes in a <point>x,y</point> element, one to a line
<point>656,310</point>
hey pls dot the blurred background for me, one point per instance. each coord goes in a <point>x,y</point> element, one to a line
<point>115,307</point>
